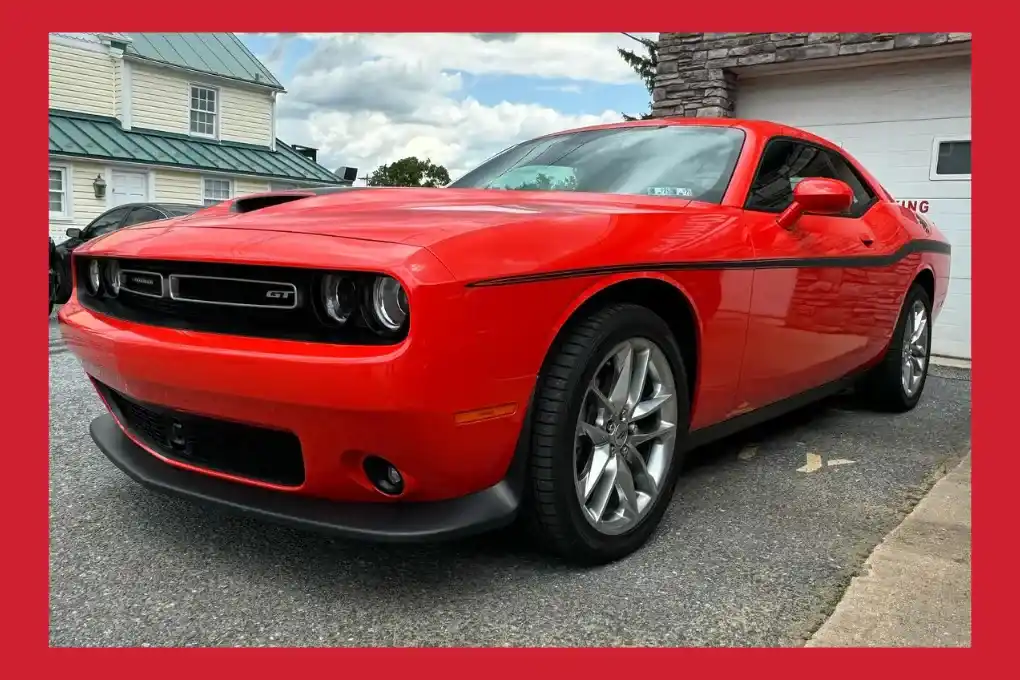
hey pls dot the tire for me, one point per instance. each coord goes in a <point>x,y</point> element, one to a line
<point>883,387</point>
<point>553,498</point>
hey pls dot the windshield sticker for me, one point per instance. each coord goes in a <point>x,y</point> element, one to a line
<point>670,191</point>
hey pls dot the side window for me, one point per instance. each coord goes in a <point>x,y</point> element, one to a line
<point>863,194</point>
<point>144,214</point>
<point>104,224</point>
<point>783,164</point>
<point>786,162</point>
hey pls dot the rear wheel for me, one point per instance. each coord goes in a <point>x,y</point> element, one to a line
<point>611,406</point>
<point>897,382</point>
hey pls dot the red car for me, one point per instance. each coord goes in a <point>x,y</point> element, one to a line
<point>542,340</point>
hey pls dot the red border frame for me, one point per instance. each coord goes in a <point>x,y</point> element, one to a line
<point>25,392</point>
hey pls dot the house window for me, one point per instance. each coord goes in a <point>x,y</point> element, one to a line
<point>204,103</point>
<point>950,159</point>
<point>58,193</point>
<point>216,191</point>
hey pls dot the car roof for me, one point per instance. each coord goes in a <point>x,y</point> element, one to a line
<point>154,204</point>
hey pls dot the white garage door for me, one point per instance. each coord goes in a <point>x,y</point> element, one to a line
<point>909,125</point>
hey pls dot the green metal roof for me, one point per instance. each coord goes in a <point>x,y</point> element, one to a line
<point>220,54</point>
<point>102,138</point>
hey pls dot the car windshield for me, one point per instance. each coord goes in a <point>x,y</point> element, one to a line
<point>684,161</point>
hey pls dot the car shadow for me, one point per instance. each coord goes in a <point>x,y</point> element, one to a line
<point>391,571</point>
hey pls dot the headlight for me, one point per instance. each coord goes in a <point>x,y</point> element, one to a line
<point>113,277</point>
<point>339,297</point>
<point>389,303</point>
<point>95,280</point>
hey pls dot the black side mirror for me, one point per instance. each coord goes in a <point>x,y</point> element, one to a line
<point>73,232</point>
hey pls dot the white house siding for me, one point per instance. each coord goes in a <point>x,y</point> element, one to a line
<point>161,100</point>
<point>250,186</point>
<point>84,205</point>
<point>178,187</point>
<point>81,80</point>
<point>247,116</point>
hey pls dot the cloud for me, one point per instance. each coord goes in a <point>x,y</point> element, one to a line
<point>368,99</point>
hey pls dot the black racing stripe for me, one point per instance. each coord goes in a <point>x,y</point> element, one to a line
<point>917,246</point>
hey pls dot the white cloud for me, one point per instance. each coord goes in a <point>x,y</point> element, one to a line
<point>368,99</point>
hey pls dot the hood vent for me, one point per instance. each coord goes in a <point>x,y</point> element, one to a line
<point>261,201</point>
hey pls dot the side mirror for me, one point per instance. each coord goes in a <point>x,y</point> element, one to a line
<point>817,195</point>
<point>73,232</point>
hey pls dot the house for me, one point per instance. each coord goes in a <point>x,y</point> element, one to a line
<point>898,102</point>
<point>167,117</point>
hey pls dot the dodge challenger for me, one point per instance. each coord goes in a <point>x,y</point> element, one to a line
<point>539,343</point>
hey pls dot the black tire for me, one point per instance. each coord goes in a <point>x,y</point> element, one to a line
<point>882,389</point>
<point>552,511</point>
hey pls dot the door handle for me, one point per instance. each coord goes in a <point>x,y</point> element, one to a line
<point>867,240</point>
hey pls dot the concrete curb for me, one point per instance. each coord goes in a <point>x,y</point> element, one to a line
<point>915,587</point>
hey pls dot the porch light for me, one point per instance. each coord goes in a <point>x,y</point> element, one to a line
<point>99,186</point>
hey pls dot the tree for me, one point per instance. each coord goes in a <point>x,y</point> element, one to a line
<point>644,65</point>
<point>409,172</point>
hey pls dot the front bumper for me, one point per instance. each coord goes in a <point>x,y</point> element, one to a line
<point>486,510</point>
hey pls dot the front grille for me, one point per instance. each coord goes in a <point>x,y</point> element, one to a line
<point>247,451</point>
<point>247,300</point>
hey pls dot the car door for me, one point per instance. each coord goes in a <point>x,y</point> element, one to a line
<point>803,330</point>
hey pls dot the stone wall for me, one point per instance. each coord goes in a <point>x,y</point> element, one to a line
<point>695,76</point>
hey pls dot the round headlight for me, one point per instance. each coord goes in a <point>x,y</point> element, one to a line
<point>339,297</point>
<point>94,280</point>
<point>113,277</point>
<point>389,303</point>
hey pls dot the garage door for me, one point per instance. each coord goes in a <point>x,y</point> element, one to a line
<point>909,124</point>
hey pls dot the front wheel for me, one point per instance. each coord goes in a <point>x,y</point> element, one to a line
<point>896,383</point>
<point>611,407</point>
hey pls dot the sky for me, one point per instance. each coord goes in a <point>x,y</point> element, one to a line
<point>365,99</point>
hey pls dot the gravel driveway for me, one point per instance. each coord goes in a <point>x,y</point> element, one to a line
<point>762,539</point>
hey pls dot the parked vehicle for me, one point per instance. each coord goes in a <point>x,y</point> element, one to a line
<point>111,220</point>
<point>54,263</point>
<point>543,340</point>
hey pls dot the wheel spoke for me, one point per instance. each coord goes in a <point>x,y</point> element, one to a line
<point>596,434</point>
<point>643,479</point>
<point>624,361</point>
<point>637,387</point>
<point>625,488</point>
<point>596,469</point>
<point>649,406</point>
<point>603,490</point>
<point>603,399</point>
<point>918,326</point>
<point>662,430</point>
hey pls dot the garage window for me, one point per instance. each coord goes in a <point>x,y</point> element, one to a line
<point>950,159</point>
<point>786,162</point>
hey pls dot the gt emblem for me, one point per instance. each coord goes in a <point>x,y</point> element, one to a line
<point>279,294</point>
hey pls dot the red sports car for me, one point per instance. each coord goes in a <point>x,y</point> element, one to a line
<point>542,340</point>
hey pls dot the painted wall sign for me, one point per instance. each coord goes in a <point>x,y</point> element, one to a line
<point>916,206</point>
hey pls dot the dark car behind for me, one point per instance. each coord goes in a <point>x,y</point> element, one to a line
<point>111,220</point>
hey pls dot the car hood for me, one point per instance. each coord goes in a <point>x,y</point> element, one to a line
<point>421,217</point>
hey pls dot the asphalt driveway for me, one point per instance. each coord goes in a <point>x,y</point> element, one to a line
<point>764,534</point>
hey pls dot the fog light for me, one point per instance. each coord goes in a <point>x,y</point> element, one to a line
<point>384,476</point>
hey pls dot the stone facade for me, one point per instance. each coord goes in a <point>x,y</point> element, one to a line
<point>695,73</point>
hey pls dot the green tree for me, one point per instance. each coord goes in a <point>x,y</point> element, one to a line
<point>645,65</point>
<point>409,172</point>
